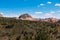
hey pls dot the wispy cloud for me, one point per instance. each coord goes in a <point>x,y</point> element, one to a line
<point>49,2</point>
<point>11,15</point>
<point>41,5</point>
<point>52,12</point>
<point>59,11</point>
<point>48,15</point>
<point>38,12</point>
<point>57,4</point>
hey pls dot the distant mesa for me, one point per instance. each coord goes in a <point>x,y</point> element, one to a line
<point>26,17</point>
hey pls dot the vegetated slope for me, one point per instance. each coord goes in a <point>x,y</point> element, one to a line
<point>13,29</point>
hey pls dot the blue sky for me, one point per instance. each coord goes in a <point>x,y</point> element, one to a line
<point>36,8</point>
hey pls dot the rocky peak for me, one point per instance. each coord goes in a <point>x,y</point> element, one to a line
<point>26,17</point>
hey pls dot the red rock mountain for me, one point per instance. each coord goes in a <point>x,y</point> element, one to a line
<point>50,20</point>
<point>27,17</point>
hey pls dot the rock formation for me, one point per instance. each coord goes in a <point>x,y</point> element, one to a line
<point>26,17</point>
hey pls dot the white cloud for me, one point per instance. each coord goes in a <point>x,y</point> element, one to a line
<point>49,2</point>
<point>42,4</point>
<point>52,12</point>
<point>38,12</point>
<point>57,4</point>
